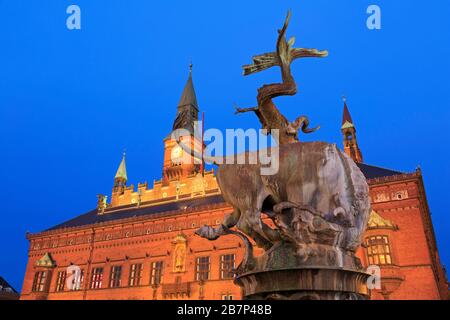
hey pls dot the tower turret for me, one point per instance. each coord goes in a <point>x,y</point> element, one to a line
<point>120,179</point>
<point>348,130</point>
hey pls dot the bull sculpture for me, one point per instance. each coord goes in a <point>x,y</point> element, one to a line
<point>317,204</point>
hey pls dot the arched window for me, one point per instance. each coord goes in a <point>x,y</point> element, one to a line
<point>378,250</point>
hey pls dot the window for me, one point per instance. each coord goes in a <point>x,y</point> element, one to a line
<point>378,250</point>
<point>135,275</point>
<point>114,277</point>
<point>40,281</point>
<point>61,281</point>
<point>227,297</point>
<point>157,268</point>
<point>97,278</point>
<point>227,266</point>
<point>202,268</point>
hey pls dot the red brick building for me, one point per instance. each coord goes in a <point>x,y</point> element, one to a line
<point>142,244</point>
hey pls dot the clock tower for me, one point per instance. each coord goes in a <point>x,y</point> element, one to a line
<point>177,163</point>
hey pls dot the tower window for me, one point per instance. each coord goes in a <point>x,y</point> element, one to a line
<point>202,268</point>
<point>40,281</point>
<point>115,276</point>
<point>97,278</point>
<point>378,250</point>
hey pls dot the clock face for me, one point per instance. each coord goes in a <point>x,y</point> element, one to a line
<point>176,153</point>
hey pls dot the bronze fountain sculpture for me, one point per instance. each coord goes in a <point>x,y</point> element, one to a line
<point>308,217</point>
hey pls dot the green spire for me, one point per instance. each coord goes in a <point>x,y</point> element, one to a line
<point>122,171</point>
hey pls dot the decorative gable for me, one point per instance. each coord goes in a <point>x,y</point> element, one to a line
<point>378,222</point>
<point>46,261</point>
<point>347,125</point>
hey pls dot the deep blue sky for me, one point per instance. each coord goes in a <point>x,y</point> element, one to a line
<point>71,101</point>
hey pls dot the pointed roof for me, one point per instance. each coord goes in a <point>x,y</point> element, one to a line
<point>122,170</point>
<point>188,97</point>
<point>346,117</point>
<point>187,112</point>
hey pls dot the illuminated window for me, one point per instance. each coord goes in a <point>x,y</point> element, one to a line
<point>227,266</point>
<point>378,250</point>
<point>115,276</point>
<point>61,281</point>
<point>97,278</point>
<point>40,281</point>
<point>156,275</point>
<point>135,275</point>
<point>202,268</point>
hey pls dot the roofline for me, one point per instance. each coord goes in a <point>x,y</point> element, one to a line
<point>30,236</point>
<point>394,178</point>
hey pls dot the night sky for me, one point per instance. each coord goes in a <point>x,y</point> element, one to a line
<point>72,100</point>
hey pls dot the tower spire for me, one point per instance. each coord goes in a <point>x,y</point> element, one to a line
<point>187,112</point>
<point>120,179</point>
<point>348,130</point>
<point>346,117</point>
<point>122,170</point>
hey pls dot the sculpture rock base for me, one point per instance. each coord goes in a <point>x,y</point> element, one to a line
<point>305,284</point>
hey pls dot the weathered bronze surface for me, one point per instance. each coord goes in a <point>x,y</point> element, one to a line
<point>266,111</point>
